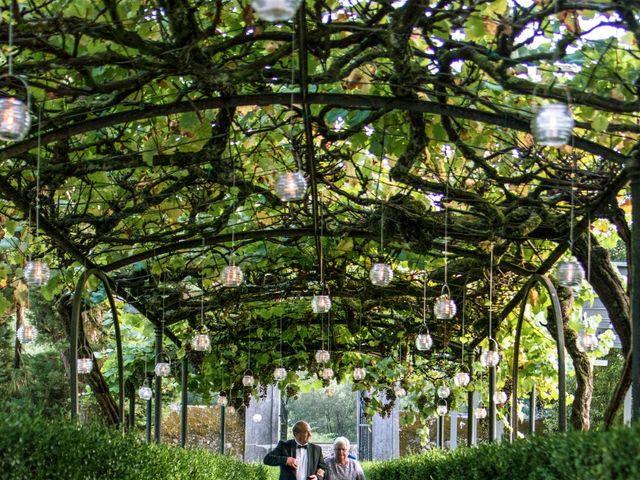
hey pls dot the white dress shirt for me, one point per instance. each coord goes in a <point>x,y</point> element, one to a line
<point>303,460</point>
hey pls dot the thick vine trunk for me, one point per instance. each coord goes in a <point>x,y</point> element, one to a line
<point>106,403</point>
<point>581,407</point>
<point>613,294</point>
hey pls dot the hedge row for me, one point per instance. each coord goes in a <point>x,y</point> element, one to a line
<point>33,448</point>
<point>613,454</point>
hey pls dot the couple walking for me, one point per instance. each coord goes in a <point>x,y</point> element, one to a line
<point>300,460</point>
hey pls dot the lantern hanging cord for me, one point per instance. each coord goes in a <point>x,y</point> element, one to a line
<point>202,292</point>
<point>491,293</point>
<point>38,170</point>
<point>424,295</point>
<point>384,134</point>
<point>10,56</point>
<point>233,189</point>
<point>589,249</point>
<point>462,343</point>
<point>249,353</point>
<point>321,249</point>
<point>446,219</point>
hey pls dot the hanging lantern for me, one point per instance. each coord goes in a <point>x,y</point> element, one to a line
<point>231,409</point>
<point>27,334</point>
<point>443,391</point>
<point>248,379</point>
<point>552,125</point>
<point>489,358</point>
<point>381,274</point>
<point>444,308</point>
<point>442,408</point>
<point>569,273</point>
<point>359,373</point>
<point>222,401</point>
<point>201,342</point>
<point>36,273</point>
<point>327,373</point>
<point>500,397</point>
<point>322,356</point>
<point>461,379</point>
<point>321,303</point>
<point>279,374</point>
<point>84,365</point>
<point>163,365</point>
<point>399,390</point>
<point>291,186</point>
<point>144,392</point>
<point>15,119</point>
<point>480,412</point>
<point>275,10</point>
<point>231,276</point>
<point>586,342</point>
<point>424,342</point>
<point>329,391</point>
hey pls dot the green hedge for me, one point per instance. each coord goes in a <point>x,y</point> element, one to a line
<point>33,448</point>
<point>613,454</point>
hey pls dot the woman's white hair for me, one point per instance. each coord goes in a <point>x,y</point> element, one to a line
<point>343,440</point>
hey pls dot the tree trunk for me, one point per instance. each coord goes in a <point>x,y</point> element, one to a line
<point>106,403</point>
<point>606,283</point>
<point>581,407</point>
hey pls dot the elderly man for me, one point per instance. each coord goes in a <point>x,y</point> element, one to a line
<point>298,459</point>
<point>340,466</point>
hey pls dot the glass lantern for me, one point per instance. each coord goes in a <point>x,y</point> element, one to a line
<point>327,373</point>
<point>399,390</point>
<point>291,186</point>
<point>248,379</point>
<point>586,342</point>
<point>231,276</point>
<point>569,273</point>
<point>442,408</point>
<point>381,274</point>
<point>443,391</point>
<point>15,119</point>
<point>279,374</point>
<point>144,392</point>
<point>84,365</point>
<point>500,397</point>
<point>329,391</point>
<point>201,342</point>
<point>223,400</point>
<point>275,10</point>
<point>231,409</point>
<point>461,379</point>
<point>480,412</point>
<point>321,303</point>
<point>359,373</point>
<point>424,342</point>
<point>489,358</point>
<point>322,356</point>
<point>36,273</point>
<point>27,334</point>
<point>444,308</point>
<point>163,365</point>
<point>552,125</point>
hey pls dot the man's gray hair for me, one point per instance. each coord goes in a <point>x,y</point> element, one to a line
<point>343,440</point>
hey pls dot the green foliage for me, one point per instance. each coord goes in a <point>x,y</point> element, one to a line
<point>575,456</point>
<point>329,417</point>
<point>34,448</point>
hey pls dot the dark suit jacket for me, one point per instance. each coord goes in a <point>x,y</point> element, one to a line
<point>278,458</point>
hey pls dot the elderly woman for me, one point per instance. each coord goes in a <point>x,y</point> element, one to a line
<point>340,466</point>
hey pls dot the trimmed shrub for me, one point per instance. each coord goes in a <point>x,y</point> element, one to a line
<point>33,448</point>
<point>599,455</point>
